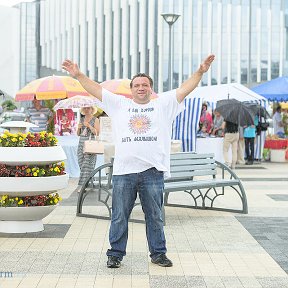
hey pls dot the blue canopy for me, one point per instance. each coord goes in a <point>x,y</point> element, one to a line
<point>274,90</point>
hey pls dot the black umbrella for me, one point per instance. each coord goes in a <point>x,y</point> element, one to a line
<point>258,110</point>
<point>235,111</point>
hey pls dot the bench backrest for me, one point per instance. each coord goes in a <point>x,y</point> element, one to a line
<point>186,165</point>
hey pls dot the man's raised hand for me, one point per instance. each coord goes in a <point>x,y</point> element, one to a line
<point>205,65</point>
<point>71,67</point>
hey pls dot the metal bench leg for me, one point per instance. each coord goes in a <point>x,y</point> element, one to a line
<point>166,195</point>
<point>163,215</point>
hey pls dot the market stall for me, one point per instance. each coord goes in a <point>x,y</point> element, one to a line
<point>186,124</point>
<point>274,90</point>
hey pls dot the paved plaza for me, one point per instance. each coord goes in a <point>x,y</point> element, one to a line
<point>208,248</point>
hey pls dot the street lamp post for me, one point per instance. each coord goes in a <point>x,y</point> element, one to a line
<point>170,20</point>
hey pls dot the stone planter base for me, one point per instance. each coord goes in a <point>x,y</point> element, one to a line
<point>29,219</point>
<point>31,186</point>
<point>278,155</point>
<point>21,226</point>
<point>31,155</point>
<point>23,219</point>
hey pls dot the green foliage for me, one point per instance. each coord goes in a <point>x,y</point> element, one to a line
<point>51,125</point>
<point>9,105</point>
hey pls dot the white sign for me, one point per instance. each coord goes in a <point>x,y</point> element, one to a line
<point>106,129</point>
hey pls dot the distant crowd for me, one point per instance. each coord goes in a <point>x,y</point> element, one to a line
<point>241,139</point>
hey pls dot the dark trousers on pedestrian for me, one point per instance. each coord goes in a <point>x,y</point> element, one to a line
<point>249,149</point>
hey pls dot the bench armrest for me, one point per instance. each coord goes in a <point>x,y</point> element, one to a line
<point>223,167</point>
<point>102,174</point>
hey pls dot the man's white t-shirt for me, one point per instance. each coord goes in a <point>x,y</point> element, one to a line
<point>141,132</point>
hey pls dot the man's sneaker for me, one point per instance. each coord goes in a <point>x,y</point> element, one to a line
<point>113,262</point>
<point>162,260</point>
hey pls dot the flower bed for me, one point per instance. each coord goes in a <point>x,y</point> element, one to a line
<point>32,171</point>
<point>27,201</point>
<point>41,139</point>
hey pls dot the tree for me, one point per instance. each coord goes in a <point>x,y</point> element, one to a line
<point>8,105</point>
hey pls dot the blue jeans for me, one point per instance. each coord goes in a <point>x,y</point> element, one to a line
<point>149,184</point>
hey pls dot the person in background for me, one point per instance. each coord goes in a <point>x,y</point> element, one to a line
<point>205,123</point>
<point>231,137</point>
<point>285,121</point>
<point>249,138</point>
<point>39,115</point>
<point>218,124</point>
<point>241,147</point>
<point>278,123</point>
<point>88,128</point>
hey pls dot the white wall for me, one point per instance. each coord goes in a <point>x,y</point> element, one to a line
<point>9,50</point>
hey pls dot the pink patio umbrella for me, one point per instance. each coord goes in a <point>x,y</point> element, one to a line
<point>51,87</point>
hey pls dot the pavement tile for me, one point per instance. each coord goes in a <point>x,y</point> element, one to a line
<point>210,249</point>
<point>168,282</point>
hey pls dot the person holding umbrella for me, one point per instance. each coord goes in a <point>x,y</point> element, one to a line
<point>231,137</point>
<point>241,146</point>
<point>236,114</point>
<point>88,128</point>
<point>142,137</point>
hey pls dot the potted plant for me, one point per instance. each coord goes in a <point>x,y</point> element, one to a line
<point>31,171</point>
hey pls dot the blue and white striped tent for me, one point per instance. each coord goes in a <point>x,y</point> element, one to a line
<point>186,124</point>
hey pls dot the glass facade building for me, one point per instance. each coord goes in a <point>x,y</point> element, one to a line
<point>28,43</point>
<point>119,38</point>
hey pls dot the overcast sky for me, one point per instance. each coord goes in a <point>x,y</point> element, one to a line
<point>12,2</point>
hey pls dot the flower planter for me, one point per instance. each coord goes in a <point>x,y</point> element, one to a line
<point>23,219</point>
<point>29,219</point>
<point>278,155</point>
<point>31,155</point>
<point>31,186</point>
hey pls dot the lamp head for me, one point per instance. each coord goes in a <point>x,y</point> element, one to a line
<point>170,18</point>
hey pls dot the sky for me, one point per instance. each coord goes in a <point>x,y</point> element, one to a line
<point>12,2</point>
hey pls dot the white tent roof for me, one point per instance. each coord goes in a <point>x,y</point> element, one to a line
<point>212,94</point>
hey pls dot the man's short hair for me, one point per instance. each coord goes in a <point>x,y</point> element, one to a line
<point>142,75</point>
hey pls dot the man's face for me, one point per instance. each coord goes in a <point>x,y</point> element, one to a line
<point>141,90</point>
<point>37,104</point>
